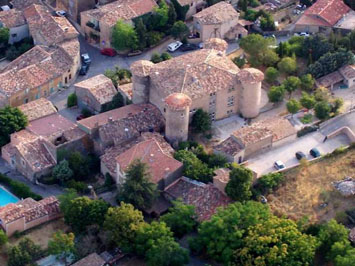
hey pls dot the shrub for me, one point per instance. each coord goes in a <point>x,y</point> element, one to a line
<point>156,58</point>
<point>239,61</point>
<point>19,189</point>
<point>165,56</point>
<point>306,130</point>
<point>78,186</point>
<point>307,119</point>
<point>268,182</point>
<point>72,100</point>
<point>153,38</point>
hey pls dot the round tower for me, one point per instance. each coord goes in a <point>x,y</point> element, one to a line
<point>140,79</point>
<point>177,109</point>
<point>216,44</point>
<point>251,79</point>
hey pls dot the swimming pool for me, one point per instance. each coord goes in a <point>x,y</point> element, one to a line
<point>6,197</point>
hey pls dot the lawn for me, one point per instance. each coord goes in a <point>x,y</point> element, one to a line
<point>309,186</point>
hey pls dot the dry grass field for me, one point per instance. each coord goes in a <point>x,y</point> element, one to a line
<point>309,186</point>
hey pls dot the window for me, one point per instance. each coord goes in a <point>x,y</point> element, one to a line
<point>230,101</point>
<point>26,100</point>
<point>14,35</point>
<point>27,91</point>
<point>37,96</point>
<point>229,112</point>
<point>231,89</point>
<point>182,115</point>
<point>52,90</point>
<point>69,76</point>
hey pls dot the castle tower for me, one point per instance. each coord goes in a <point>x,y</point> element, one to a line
<point>216,44</point>
<point>250,96</point>
<point>177,117</point>
<point>140,79</point>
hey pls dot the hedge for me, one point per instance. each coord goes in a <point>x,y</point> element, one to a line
<point>19,189</point>
<point>306,130</point>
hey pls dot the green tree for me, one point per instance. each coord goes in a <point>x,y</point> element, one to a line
<point>293,106</point>
<point>25,253</point>
<point>224,232</point>
<point>256,46</point>
<point>62,172</point>
<point>3,238</point>
<point>270,181</point>
<point>81,212</point>
<point>141,31</point>
<point>201,121</point>
<point>72,100</point>
<point>271,75</point>
<point>165,56</point>
<point>276,94</point>
<point>270,58</point>
<point>322,110</point>
<point>336,105</point>
<point>179,30</point>
<point>11,120</point>
<point>307,82</point>
<point>307,101</point>
<point>79,165</point>
<point>66,198</point>
<point>291,84</point>
<point>239,184</point>
<point>276,241</point>
<point>194,168</point>
<point>138,188</point>
<point>124,37</point>
<point>4,36</point>
<point>287,65</point>
<point>347,258</point>
<point>180,10</point>
<point>160,17</point>
<point>181,218</point>
<point>62,245</point>
<point>156,58</point>
<point>172,15</point>
<point>122,223</point>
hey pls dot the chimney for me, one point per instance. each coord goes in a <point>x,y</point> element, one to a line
<point>110,120</point>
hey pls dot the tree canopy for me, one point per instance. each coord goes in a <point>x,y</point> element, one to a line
<point>239,184</point>
<point>201,121</point>
<point>271,75</point>
<point>4,36</point>
<point>293,106</point>
<point>276,94</point>
<point>124,37</point>
<point>11,120</point>
<point>179,30</point>
<point>62,245</point>
<point>287,65</point>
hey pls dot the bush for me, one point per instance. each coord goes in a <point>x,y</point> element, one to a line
<point>153,38</point>
<point>72,100</point>
<point>306,130</point>
<point>239,61</point>
<point>306,119</point>
<point>267,183</point>
<point>78,186</point>
<point>19,189</point>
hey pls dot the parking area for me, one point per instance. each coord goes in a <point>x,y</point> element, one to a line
<point>263,163</point>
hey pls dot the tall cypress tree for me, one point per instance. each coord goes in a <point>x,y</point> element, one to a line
<point>141,31</point>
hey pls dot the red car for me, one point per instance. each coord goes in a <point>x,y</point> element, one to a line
<point>108,52</point>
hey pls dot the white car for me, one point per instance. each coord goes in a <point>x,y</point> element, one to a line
<point>304,34</point>
<point>279,165</point>
<point>174,46</point>
<point>61,13</point>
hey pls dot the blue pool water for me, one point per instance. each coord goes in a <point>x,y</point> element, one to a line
<point>6,197</point>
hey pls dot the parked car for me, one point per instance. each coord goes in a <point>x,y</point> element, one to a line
<point>84,69</point>
<point>304,34</point>
<point>300,155</point>
<point>61,13</point>
<point>314,152</point>
<point>172,47</point>
<point>189,47</point>
<point>85,58</point>
<point>279,165</point>
<point>108,52</point>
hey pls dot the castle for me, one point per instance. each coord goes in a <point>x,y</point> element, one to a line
<point>205,79</point>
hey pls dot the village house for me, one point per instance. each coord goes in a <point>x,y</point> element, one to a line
<point>324,15</point>
<point>218,21</point>
<point>206,198</point>
<point>205,79</point>
<point>95,92</point>
<point>23,4</point>
<point>192,6</point>
<point>28,213</point>
<point>126,91</point>
<point>14,20</point>
<point>33,151</point>
<point>98,23</point>
<point>75,7</point>
<point>256,138</point>
<point>344,76</point>
<point>91,260</point>
<point>37,109</point>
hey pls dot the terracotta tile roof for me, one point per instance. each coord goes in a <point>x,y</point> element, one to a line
<point>217,14</point>
<point>96,121</point>
<point>47,29</point>
<point>37,109</point>
<point>53,126</point>
<point>330,79</point>
<point>127,89</point>
<point>195,74</point>
<point>141,68</point>
<point>160,165</point>
<point>251,134</point>
<point>348,72</point>
<point>23,4</point>
<point>33,150</point>
<point>324,13</point>
<point>229,146</point>
<point>121,9</point>
<point>250,75</point>
<point>109,158</point>
<point>90,260</point>
<point>29,209</point>
<point>100,86</point>
<point>12,18</point>
<point>205,197</point>
<point>216,44</point>
<point>131,126</point>
<point>178,101</point>
<point>34,68</point>
<point>71,47</point>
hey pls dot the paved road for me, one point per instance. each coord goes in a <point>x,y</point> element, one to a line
<point>263,163</point>
<point>43,190</point>
<point>345,120</point>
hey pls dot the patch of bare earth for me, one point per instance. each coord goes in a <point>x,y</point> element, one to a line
<point>308,190</point>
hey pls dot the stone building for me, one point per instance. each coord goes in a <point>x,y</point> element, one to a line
<point>98,23</point>
<point>194,6</point>
<point>218,21</point>
<point>37,109</point>
<point>15,21</point>
<point>75,7</point>
<point>95,92</point>
<point>205,79</point>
